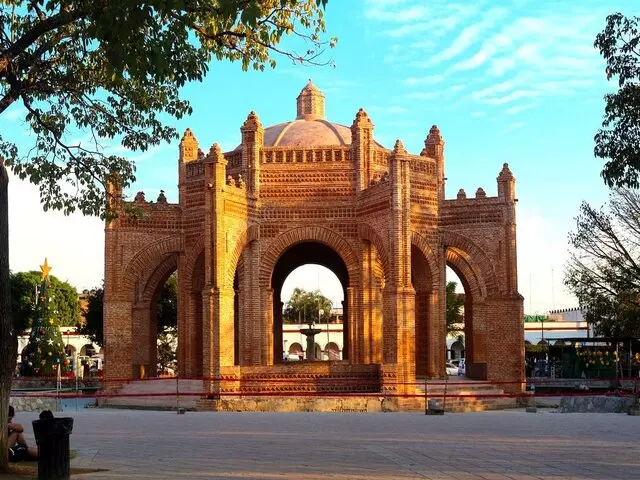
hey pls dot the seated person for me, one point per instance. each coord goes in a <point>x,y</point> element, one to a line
<point>18,448</point>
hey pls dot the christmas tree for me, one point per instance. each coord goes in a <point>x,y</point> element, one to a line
<point>44,354</point>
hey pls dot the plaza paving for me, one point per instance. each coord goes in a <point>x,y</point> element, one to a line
<point>495,445</point>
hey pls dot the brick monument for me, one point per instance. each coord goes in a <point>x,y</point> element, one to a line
<point>312,191</point>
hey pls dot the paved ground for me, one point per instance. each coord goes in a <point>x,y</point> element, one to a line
<point>302,446</point>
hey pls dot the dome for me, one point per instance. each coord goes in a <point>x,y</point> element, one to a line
<point>310,128</point>
<point>306,133</point>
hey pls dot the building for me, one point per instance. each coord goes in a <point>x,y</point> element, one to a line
<point>75,346</point>
<point>564,323</point>
<point>314,191</point>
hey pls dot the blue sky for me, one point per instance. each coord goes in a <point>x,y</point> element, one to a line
<point>516,82</point>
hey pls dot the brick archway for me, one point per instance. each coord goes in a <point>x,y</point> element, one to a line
<point>477,274</point>
<point>143,265</point>
<point>423,246</point>
<point>307,234</point>
<point>366,232</point>
<point>249,235</point>
<point>309,180</point>
<point>473,263</point>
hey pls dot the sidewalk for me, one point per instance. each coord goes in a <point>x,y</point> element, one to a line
<point>498,445</point>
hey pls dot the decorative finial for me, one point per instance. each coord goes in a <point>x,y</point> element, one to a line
<point>310,103</point>
<point>505,172</point>
<point>461,194</point>
<point>45,269</point>
<point>433,144</point>
<point>252,121</point>
<point>362,120</point>
<point>399,147</point>
<point>187,134</point>
<point>480,193</point>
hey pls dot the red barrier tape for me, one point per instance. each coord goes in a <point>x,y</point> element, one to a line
<point>65,396</point>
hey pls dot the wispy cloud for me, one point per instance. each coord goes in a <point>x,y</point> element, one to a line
<point>500,55</point>
<point>512,127</point>
<point>428,80</point>
<point>520,108</point>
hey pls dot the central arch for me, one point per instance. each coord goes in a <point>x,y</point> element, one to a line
<point>304,253</point>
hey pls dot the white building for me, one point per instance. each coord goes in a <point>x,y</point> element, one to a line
<point>75,345</point>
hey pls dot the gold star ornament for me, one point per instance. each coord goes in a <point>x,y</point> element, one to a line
<point>45,269</point>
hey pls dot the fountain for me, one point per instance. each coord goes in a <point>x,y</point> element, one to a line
<point>310,333</point>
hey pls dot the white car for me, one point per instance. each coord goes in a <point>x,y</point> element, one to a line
<point>451,369</point>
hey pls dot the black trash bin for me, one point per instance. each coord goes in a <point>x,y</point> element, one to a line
<point>52,437</point>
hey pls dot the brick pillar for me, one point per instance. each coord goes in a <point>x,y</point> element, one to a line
<point>349,319</point>
<point>437,330</point>
<point>141,337</point>
<point>118,341</point>
<point>266,316</point>
<point>190,336</point>
<point>399,328</point>
<point>369,333</point>
<point>208,354</point>
<point>504,321</point>
<point>255,330</point>
<point>218,337</point>
<point>362,331</point>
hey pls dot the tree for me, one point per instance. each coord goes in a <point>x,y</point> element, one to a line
<point>304,307</point>
<point>92,325</point>
<point>114,70</point>
<point>166,309</point>
<point>44,355</point>
<point>167,345</point>
<point>455,305</point>
<point>619,139</point>
<point>64,300</point>
<point>604,267</point>
<point>8,338</point>
<point>167,306</point>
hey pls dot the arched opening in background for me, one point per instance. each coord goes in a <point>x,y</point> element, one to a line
<point>307,254</point>
<point>455,315</point>
<point>154,323</point>
<point>313,293</point>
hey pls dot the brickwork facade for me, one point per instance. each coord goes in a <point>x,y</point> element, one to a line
<point>311,191</point>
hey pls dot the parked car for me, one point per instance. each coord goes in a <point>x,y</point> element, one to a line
<point>451,369</point>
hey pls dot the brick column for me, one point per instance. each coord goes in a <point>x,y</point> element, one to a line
<point>399,328</point>
<point>504,322</point>
<point>118,341</point>
<point>218,338</point>
<point>266,316</point>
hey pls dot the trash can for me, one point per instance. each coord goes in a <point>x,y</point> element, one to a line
<point>52,438</point>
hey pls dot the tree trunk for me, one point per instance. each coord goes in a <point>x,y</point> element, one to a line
<point>8,345</point>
